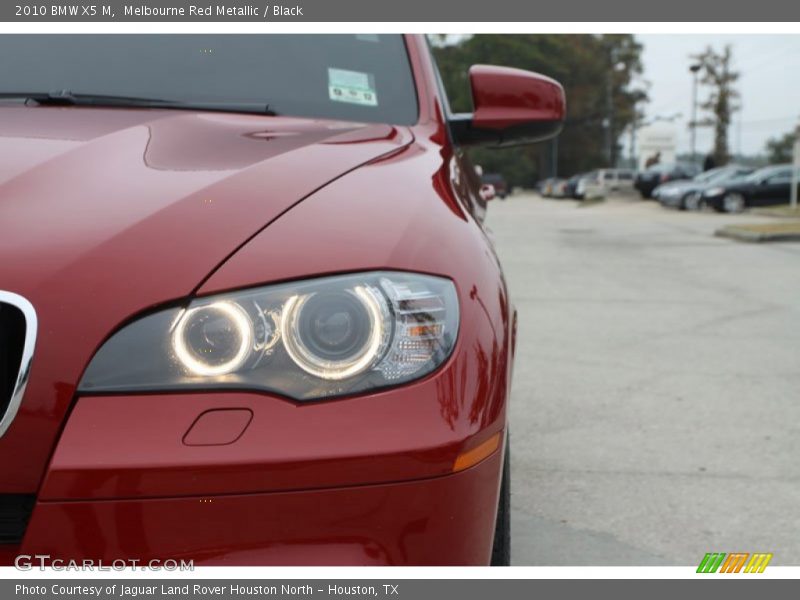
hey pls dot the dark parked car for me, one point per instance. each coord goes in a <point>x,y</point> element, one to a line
<point>767,186</point>
<point>651,178</point>
<point>498,181</point>
<point>687,194</point>
<point>572,189</point>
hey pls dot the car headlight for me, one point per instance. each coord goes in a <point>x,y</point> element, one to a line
<point>715,191</point>
<point>306,340</point>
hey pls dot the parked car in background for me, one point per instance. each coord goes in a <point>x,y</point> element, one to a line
<point>686,194</point>
<point>560,189</point>
<point>573,182</point>
<point>603,182</point>
<point>549,187</point>
<point>543,186</point>
<point>768,186</point>
<point>499,182</point>
<point>583,182</point>
<point>649,179</point>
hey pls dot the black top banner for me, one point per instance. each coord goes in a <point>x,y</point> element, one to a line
<point>401,10</point>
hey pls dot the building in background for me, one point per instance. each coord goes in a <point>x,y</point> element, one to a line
<point>656,144</point>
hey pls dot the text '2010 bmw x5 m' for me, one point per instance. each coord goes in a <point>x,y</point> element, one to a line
<point>249,313</point>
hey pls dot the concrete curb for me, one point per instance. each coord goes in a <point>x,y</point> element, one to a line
<point>746,235</point>
<point>772,212</point>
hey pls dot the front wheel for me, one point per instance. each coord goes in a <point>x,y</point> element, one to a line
<point>733,203</point>
<point>501,549</point>
<point>694,202</point>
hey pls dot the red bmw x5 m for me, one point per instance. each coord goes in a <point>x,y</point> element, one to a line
<point>248,310</point>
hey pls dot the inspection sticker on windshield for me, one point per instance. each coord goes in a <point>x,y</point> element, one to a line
<point>352,86</point>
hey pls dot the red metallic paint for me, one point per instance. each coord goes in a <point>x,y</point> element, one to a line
<point>105,213</point>
<point>442,521</point>
<point>131,214</point>
<point>218,427</point>
<point>505,97</point>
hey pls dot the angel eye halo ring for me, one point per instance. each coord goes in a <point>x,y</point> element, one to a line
<point>213,340</point>
<point>336,335</point>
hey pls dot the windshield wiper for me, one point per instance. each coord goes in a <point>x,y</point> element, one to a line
<point>67,98</point>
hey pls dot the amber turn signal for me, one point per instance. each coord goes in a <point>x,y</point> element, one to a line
<point>472,457</point>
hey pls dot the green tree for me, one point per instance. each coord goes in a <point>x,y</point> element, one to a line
<point>597,73</point>
<point>718,75</point>
<point>781,149</point>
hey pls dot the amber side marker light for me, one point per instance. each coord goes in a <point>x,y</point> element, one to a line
<point>477,454</point>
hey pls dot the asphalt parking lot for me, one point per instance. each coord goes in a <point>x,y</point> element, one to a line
<point>656,399</point>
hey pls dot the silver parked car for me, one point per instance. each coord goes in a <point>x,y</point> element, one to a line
<point>603,182</point>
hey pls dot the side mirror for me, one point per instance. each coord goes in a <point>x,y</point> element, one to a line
<point>511,107</point>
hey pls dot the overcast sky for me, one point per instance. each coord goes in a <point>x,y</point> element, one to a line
<point>769,85</point>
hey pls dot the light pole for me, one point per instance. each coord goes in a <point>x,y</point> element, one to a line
<point>610,141</point>
<point>609,120</point>
<point>795,166</point>
<point>694,69</point>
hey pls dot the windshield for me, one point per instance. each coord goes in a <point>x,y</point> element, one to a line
<point>349,77</point>
<point>721,174</point>
<point>713,175</point>
<point>767,172</point>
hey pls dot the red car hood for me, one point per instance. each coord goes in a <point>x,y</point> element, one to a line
<point>106,212</point>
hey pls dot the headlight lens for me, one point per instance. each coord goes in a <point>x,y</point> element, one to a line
<point>313,339</point>
<point>213,340</point>
<point>335,335</point>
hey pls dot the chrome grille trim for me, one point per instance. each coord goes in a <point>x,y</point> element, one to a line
<point>23,373</point>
